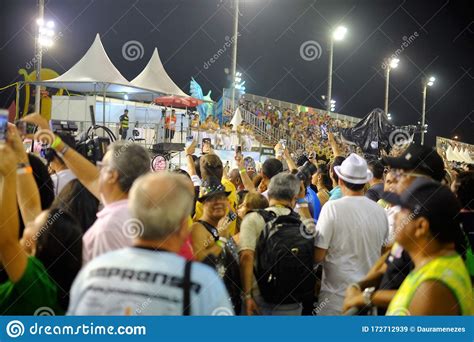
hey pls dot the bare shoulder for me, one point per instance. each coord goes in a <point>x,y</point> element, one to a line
<point>434,298</point>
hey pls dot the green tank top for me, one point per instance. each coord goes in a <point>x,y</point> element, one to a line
<point>449,270</point>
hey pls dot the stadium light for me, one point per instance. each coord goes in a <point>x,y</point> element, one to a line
<point>337,35</point>
<point>427,82</point>
<point>389,63</point>
<point>394,63</point>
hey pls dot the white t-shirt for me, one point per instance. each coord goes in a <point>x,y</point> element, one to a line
<point>353,229</point>
<point>61,178</point>
<point>136,281</point>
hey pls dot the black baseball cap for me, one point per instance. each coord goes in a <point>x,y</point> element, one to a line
<point>423,159</point>
<point>210,188</point>
<point>430,199</point>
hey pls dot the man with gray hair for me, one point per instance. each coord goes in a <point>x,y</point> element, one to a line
<point>150,278</point>
<point>109,181</point>
<point>283,192</point>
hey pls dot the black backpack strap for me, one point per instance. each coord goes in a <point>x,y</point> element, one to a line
<point>267,215</point>
<point>211,229</point>
<point>187,289</point>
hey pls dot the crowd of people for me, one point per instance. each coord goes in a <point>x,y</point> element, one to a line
<point>298,236</point>
<point>310,129</point>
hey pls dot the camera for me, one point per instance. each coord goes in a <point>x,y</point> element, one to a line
<point>306,171</point>
<point>25,128</point>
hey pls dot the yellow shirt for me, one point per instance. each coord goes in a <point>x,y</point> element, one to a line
<point>449,270</point>
<point>233,203</point>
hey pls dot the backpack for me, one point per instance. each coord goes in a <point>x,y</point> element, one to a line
<point>285,260</point>
<point>227,267</point>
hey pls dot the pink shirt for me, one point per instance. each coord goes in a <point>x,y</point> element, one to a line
<point>108,232</point>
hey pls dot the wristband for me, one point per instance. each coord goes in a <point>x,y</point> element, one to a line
<point>223,239</point>
<point>220,243</point>
<point>196,180</point>
<point>301,205</point>
<point>24,170</point>
<point>189,155</point>
<point>242,170</point>
<point>301,201</point>
<point>56,142</point>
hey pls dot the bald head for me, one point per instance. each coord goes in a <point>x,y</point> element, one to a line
<point>161,201</point>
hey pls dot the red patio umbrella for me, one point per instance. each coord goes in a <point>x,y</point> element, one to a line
<point>178,102</point>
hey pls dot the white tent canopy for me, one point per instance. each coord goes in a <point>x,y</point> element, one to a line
<point>155,77</point>
<point>94,73</point>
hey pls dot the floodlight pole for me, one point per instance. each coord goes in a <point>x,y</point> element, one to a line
<point>329,95</point>
<point>39,58</point>
<point>387,80</point>
<point>234,51</point>
<point>423,114</point>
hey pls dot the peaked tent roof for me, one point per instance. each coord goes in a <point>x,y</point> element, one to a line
<point>155,77</point>
<point>94,72</point>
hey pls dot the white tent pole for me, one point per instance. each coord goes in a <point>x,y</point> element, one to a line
<point>103,109</point>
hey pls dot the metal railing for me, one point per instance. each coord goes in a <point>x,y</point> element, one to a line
<point>268,134</point>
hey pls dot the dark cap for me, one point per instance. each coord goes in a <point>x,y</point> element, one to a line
<point>211,187</point>
<point>427,198</point>
<point>423,159</point>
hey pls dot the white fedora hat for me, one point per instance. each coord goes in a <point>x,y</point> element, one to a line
<point>354,170</point>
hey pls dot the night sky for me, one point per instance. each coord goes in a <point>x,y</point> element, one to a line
<point>188,33</point>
